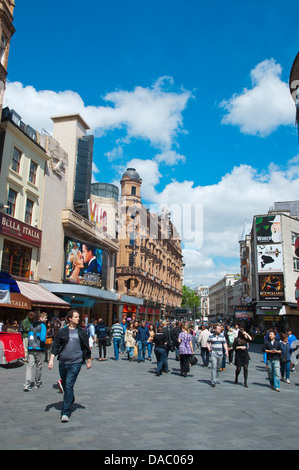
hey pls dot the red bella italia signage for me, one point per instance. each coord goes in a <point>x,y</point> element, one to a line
<point>22,232</point>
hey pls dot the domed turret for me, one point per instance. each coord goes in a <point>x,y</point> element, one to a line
<point>132,174</point>
<point>130,184</point>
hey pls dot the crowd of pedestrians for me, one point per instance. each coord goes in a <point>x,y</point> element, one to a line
<point>72,342</point>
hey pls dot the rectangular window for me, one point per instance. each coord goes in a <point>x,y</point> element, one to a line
<point>29,212</point>
<point>16,158</point>
<point>16,259</point>
<point>32,173</point>
<point>3,45</point>
<point>133,190</point>
<point>11,202</point>
<point>296,264</point>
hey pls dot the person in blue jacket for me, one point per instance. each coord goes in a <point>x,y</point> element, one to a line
<point>141,339</point>
<point>36,350</point>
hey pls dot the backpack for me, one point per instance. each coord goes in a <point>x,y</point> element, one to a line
<point>34,338</point>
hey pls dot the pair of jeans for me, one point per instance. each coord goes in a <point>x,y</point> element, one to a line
<point>130,350</point>
<point>273,373</point>
<point>285,369</point>
<point>141,350</point>
<point>149,346</point>
<point>102,346</point>
<point>116,345</point>
<point>216,360</point>
<point>205,355</point>
<point>68,375</point>
<point>162,362</point>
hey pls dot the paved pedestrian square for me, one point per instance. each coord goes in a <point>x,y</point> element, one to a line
<point>122,405</point>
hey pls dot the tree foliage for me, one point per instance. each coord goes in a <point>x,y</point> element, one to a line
<point>190,298</point>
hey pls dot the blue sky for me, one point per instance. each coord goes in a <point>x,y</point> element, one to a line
<point>193,93</point>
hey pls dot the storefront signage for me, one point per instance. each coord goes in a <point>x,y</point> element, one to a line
<point>18,301</point>
<point>271,287</point>
<point>22,232</point>
<point>243,311</point>
<point>129,308</point>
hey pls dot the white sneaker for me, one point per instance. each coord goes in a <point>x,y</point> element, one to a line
<point>288,381</point>
<point>64,419</point>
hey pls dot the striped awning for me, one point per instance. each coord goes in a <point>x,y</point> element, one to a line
<point>41,297</point>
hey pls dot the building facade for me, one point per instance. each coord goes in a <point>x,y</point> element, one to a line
<point>79,244</point>
<point>149,262</point>
<point>275,265</point>
<point>203,296</point>
<point>222,298</point>
<point>23,164</point>
<point>6,32</point>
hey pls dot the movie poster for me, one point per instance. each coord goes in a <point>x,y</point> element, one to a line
<point>271,287</point>
<point>268,229</point>
<point>85,264</point>
<point>270,258</point>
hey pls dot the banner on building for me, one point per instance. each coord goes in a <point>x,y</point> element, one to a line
<point>271,287</point>
<point>268,229</point>
<point>270,258</point>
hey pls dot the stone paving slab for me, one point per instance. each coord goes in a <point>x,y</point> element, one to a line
<point>122,405</point>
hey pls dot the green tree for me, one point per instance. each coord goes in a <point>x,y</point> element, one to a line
<point>190,298</point>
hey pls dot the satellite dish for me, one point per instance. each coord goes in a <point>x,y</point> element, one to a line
<point>295,353</point>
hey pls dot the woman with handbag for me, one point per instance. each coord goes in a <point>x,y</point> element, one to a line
<point>130,342</point>
<point>185,341</point>
<point>242,355</point>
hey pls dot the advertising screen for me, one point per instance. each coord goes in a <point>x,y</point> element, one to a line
<point>85,264</point>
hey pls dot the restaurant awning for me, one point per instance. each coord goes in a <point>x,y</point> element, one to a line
<point>41,297</point>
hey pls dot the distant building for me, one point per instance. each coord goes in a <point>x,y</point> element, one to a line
<point>149,262</point>
<point>203,297</point>
<point>221,298</point>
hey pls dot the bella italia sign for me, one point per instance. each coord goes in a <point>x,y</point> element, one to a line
<point>22,232</point>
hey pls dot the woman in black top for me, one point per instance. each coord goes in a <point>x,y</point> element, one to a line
<point>242,356</point>
<point>160,342</point>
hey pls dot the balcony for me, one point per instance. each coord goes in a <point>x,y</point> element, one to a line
<point>86,230</point>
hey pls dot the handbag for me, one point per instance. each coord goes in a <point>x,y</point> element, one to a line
<point>193,360</point>
<point>108,341</point>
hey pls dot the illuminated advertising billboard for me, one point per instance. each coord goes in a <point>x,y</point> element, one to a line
<point>85,263</point>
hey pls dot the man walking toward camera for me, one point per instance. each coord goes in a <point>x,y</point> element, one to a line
<point>72,348</point>
<point>217,346</point>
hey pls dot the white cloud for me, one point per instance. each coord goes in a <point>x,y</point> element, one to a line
<point>170,157</point>
<point>263,108</point>
<point>239,195</point>
<point>152,114</point>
